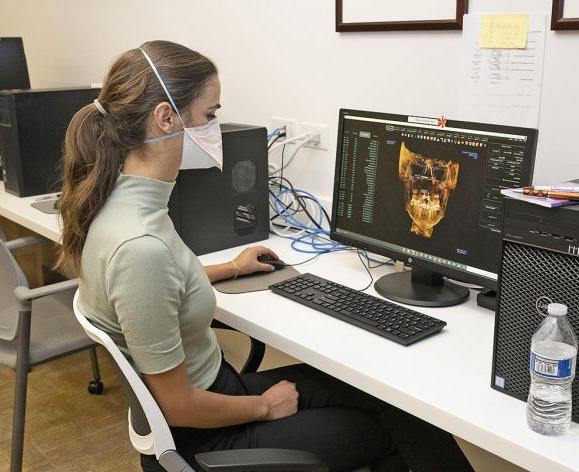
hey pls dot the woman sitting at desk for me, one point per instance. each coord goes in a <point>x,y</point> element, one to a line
<point>142,285</point>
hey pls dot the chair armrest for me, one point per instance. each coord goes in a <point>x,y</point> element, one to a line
<point>256,351</point>
<point>171,461</point>
<point>25,294</point>
<point>260,460</point>
<point>255,356</point>
<point>22,242</point>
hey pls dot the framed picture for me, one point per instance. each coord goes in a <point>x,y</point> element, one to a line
<point>565,15</point>
<point>385,15</point>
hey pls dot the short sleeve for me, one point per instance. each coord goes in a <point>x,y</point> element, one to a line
<point>144,287</point>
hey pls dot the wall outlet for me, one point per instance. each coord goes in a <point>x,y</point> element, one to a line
<point>322,142</point>
<point>289,124</point>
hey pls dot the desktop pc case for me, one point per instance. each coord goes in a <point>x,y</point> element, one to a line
<point>540,265</point>
<point>214,210</point>
<point>32,128</point>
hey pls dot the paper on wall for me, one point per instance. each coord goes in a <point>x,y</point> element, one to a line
<point>502,86</point>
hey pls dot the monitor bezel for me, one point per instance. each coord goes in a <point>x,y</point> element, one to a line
<point>25,75</point>
<point>454,274</point>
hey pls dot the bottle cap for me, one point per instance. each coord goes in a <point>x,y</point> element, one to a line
<point>556,309</point>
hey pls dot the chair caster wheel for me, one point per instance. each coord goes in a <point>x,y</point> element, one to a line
<point>95,387</point>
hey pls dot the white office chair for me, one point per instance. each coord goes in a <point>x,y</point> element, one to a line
<point>36,325</point>
<point>150,433</point>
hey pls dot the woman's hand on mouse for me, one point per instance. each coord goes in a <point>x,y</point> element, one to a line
<point>247,262</point>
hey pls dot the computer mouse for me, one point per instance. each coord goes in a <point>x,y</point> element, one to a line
<point>276,263</point>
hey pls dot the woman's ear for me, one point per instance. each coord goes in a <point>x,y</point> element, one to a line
<point>165,118</point>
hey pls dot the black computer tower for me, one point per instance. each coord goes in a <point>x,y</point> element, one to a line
<point>214,210</point>
<point>539,265</point>
<point>32,128</point>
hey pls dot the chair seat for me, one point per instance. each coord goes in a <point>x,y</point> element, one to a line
<point>53,320</point>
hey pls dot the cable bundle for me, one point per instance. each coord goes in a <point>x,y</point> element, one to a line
<point>299,216</point>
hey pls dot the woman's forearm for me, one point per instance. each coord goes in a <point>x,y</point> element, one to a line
<point>204,409</point>
<point>219,272</point>
<point>185,405</point>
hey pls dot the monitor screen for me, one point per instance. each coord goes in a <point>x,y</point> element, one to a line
<point>13,68</point>
<point>428,195</point>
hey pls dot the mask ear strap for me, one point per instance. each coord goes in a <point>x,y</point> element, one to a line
<point>162,138</point>
<point>163,85</point>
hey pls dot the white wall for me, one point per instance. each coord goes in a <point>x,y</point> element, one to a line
<point>280,57</point>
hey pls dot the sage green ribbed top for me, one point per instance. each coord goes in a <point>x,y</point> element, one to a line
<point>141,284</point>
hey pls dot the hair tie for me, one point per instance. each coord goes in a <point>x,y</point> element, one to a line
<point>99,107</point>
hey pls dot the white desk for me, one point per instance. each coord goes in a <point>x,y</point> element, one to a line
<point>444,380</point>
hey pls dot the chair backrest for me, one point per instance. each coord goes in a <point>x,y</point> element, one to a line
<point>141,402</point>
<point>11,276</point>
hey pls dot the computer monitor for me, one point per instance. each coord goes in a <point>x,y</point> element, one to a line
<point>426,191</point>
<point>13,68</point>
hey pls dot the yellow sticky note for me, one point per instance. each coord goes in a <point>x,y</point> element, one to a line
<point>507,31</point>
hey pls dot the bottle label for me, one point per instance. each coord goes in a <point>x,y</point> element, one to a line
<point>552,368</point>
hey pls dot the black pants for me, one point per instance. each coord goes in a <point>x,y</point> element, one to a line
<point>346,427</point>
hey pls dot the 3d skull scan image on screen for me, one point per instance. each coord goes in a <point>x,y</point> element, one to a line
<point>428,183</point>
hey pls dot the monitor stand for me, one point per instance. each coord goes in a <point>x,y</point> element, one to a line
<point>420,287</point>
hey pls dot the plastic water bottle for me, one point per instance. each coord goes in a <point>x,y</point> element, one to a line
<point>552,367</point>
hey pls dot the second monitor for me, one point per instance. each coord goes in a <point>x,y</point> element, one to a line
<point>409,189</point>
<point>14,71</point>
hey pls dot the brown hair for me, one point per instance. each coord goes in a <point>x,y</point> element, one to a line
<point>96,145</point>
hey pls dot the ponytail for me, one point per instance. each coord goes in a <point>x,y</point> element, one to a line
<point>91,162</point>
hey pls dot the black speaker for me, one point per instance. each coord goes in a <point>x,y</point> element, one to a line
<point>214,210</point>
<point>539,265</point>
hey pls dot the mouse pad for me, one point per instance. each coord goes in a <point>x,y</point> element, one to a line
<point>255,282</point>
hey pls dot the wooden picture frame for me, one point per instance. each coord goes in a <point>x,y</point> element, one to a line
<point>558,19</point>
<point>410,23</point>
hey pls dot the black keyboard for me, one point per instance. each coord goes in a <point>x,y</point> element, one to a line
<point>394,322</point>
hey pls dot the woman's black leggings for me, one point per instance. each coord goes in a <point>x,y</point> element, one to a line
<point>344,426</point>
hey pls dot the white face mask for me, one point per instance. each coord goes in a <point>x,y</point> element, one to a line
<point>202,145</point>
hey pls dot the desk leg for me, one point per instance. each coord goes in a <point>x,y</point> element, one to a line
<point>482,460</point>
